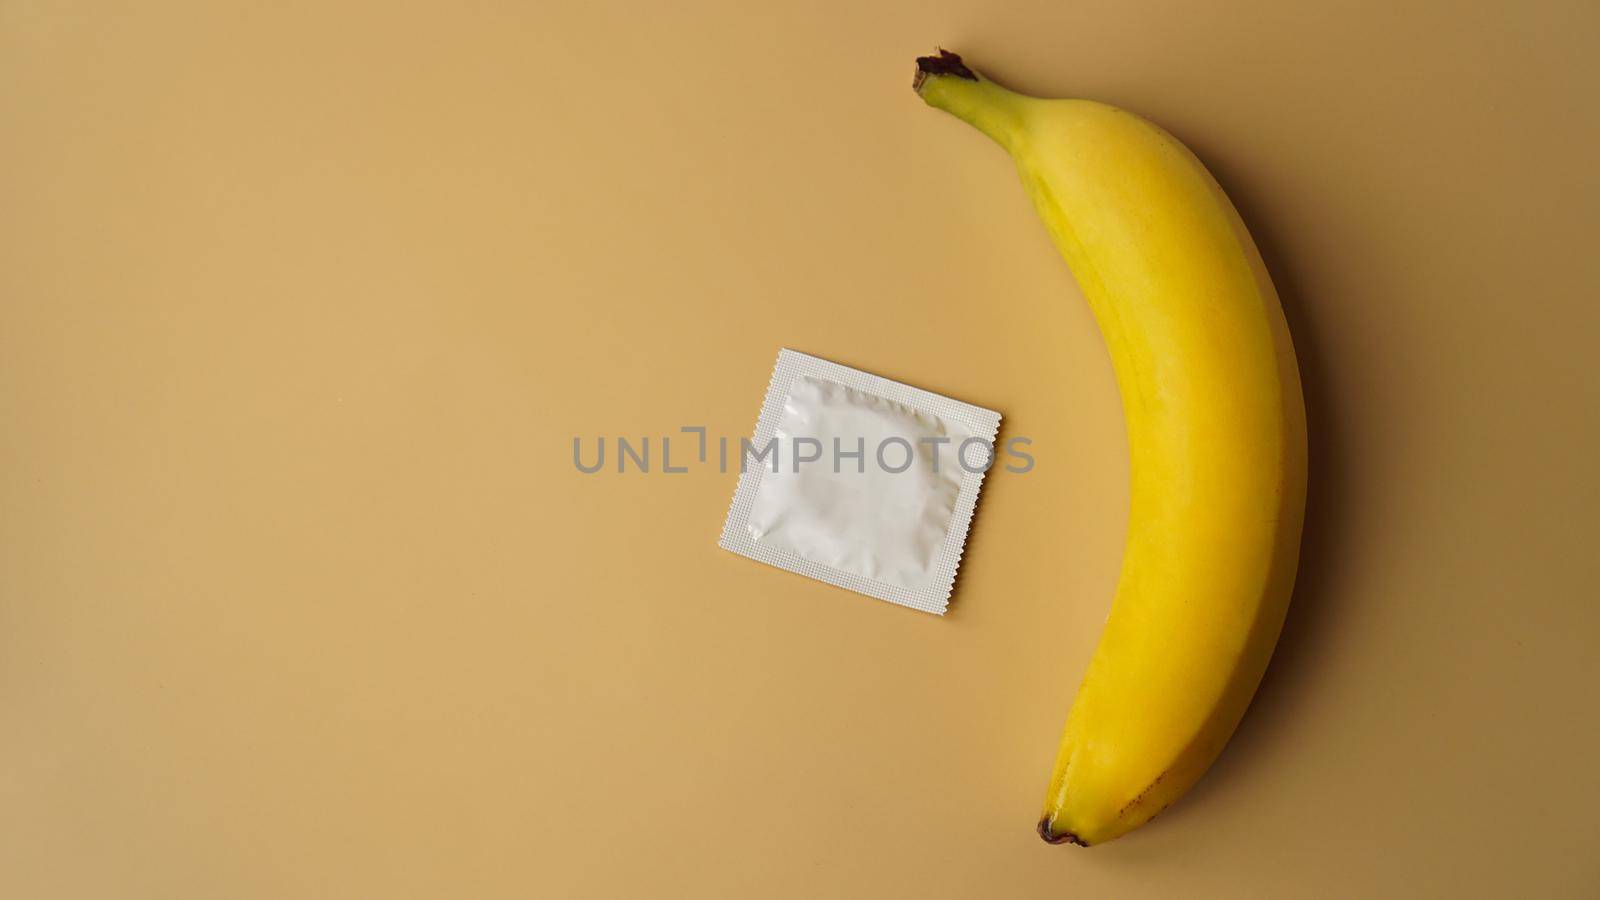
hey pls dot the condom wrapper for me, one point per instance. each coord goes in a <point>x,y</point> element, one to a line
<point>860,482</point>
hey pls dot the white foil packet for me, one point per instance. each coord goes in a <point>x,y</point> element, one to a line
<point>861,482</point>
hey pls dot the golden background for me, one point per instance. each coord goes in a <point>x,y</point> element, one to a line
<point>301,305</point>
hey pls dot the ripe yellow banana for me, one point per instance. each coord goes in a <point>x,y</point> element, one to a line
<point>1216,431</point>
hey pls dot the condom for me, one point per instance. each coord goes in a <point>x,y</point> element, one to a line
<point>860,482</point>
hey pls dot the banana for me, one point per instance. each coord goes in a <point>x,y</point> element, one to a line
<point>1216,432</point>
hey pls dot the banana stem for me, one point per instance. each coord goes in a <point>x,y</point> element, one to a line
<point>944,82</point>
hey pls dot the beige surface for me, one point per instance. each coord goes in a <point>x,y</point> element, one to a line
<point>301,307</point>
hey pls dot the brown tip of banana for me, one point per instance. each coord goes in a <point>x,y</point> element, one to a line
<point>946,63</point>
<point>1051,837</point>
